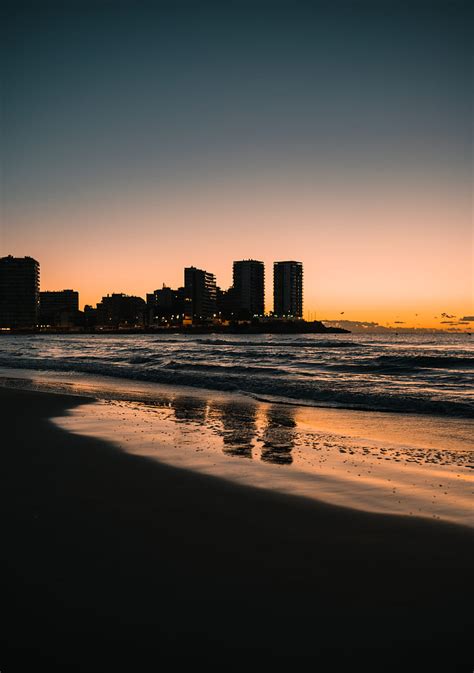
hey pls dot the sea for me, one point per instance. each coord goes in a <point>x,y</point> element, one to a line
<point>420,374</point>
<point>382,423</point>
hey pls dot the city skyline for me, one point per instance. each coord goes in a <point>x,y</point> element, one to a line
<point>198,297</point>
<point>139,141</point>
<point>414,295</point>
<point>199,300</point>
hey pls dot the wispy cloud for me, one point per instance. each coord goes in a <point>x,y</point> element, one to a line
<point>366,326</point>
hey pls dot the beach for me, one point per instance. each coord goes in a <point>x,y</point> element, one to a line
<point>236,336</point>
<point>113,559</point>
<point>389,463</point>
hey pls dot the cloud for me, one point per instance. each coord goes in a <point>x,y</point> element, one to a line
<point>468,318</point>
<point>354,323</point>
<point>399,322</point>
<point>361,326</point>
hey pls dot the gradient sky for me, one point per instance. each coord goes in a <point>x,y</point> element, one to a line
<point>138,138</point>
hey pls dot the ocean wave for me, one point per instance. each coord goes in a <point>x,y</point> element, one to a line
<point>309,343</point>
<point>211,353</point>
<point>225,370</point>
<point>406,363</point>
<point>238,354</point>
<point>144,359</point>
<point>265,383</point>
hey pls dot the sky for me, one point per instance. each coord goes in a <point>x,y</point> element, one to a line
<point>140,138</point>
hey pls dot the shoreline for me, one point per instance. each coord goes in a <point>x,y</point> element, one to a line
<point>264,328</point>
<point>290,451</point>
<point>111,557</point>
<point>409,465</point>
<point>19,372</point>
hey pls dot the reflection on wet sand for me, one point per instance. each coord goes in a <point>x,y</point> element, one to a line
<point>244,426</point>
<point>189,409</point>
<point>411,465</point>
<point>237,426</point>
<point>295,449</point>
<point>279,435</point>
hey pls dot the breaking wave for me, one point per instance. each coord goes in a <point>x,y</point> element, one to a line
<point>409,364</point>
<point>262,383</point>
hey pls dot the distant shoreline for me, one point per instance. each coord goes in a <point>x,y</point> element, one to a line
<point>290,328</point>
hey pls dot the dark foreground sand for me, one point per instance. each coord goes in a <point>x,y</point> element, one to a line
<point>113,561</point>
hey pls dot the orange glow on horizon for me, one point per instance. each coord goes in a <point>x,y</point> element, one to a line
<point>398,259</point>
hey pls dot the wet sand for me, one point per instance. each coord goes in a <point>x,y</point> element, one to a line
<point>115,561</point>
<point>375,462</point>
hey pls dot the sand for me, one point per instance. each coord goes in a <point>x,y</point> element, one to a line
<point>310,452</point>
<point>112,560</point>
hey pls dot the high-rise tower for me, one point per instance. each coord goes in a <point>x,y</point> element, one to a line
<point>200,292</point>
<point>249,287</point>
<point>19,291</point>
<point>288,289</point>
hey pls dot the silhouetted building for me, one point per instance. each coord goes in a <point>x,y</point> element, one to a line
<point>90,316</point>
<point>166,306</point>
<point>19,291</point>
<point>59,308</point>
<point>288,289</point>
<point>226,304</point>
<point>249,288</point>
<point>120,310</point>
<point>200,293</point>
